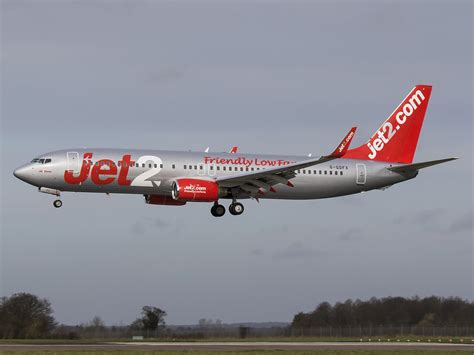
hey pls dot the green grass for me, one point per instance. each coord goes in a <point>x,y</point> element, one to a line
<point>248,352</point>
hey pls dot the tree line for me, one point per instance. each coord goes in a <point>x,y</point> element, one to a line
<point>24,315</point>
<point>428,311</point>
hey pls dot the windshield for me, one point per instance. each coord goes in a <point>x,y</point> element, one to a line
<point>41,160</point>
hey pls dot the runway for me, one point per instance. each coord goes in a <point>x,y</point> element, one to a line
<point>233,346</point>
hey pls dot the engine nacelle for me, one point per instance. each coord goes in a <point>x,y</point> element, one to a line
<point>195,190</point>
<point>163,200</point>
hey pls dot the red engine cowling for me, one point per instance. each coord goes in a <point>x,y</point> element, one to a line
<point>195,190</point>
<point>163,200</point>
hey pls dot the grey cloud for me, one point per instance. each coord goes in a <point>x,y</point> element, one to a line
<point>424,217</point>
<point>257,252</point>
<point>435,220</point>
<point>463,223</point>
<point>350,234</point>
<point>164,76</point>
<point>298,250</point>
<point>149,224</point>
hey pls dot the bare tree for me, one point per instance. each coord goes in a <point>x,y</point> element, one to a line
<point>24,315</point>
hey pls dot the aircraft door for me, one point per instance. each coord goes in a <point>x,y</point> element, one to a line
<point>361,174</point>
<point>73,162</point>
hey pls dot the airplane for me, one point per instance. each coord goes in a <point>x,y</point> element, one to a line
<point>174,178</point>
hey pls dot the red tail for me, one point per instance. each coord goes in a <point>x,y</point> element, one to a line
<point>395,141</point>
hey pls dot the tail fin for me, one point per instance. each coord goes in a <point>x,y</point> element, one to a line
<point>395,141</point>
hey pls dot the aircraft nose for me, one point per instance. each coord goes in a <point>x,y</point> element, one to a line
<point>21,173</point>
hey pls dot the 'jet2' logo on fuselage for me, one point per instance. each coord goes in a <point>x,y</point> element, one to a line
<point>387,131</point>
<point>104,172</point>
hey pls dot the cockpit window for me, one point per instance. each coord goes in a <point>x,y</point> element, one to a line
<point>41,160</point>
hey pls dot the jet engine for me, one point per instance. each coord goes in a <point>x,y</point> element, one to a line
<point>196,190</point>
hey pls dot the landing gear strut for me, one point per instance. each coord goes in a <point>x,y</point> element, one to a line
<point>57,203</point>
<point>217,210</point>
<point>236,208</point>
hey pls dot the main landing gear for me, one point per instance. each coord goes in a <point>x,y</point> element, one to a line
<point>235,209</point>
<point>217,210</point>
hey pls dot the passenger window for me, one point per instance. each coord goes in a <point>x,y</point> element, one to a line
<point>304,171</point>
<point>246,169</point>
<point>200,167</point>
<point>185,166</point>
<point>161,166</point>
<point>325,172</point>
<point>335,173</point>
<point>340,173</point>
<point>173,166</point>
<point>320,172</point>
<point>330,172</point>
<point>223,168</point>
<point>218,168</point>
<point>241,169</point>
<point>190,167</point>
<point>195,167</point>
<point>252,169</point>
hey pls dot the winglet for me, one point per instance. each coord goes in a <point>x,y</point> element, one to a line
<point>233,150</point>
<point>344,145</point>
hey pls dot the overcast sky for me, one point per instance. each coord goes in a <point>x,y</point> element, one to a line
<point>276,77</point>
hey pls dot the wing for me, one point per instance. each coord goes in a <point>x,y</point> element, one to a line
<point>255,183</point>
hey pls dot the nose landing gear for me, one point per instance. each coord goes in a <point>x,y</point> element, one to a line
<point>57,203</point>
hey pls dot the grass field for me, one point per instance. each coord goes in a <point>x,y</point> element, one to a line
<point>249,352</point>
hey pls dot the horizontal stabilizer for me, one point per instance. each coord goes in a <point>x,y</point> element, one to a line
<point>417,166</point>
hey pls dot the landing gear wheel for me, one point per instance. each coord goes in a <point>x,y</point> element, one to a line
<point>217,210</point>
<point>57,203</point>
<point>236,209</point>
